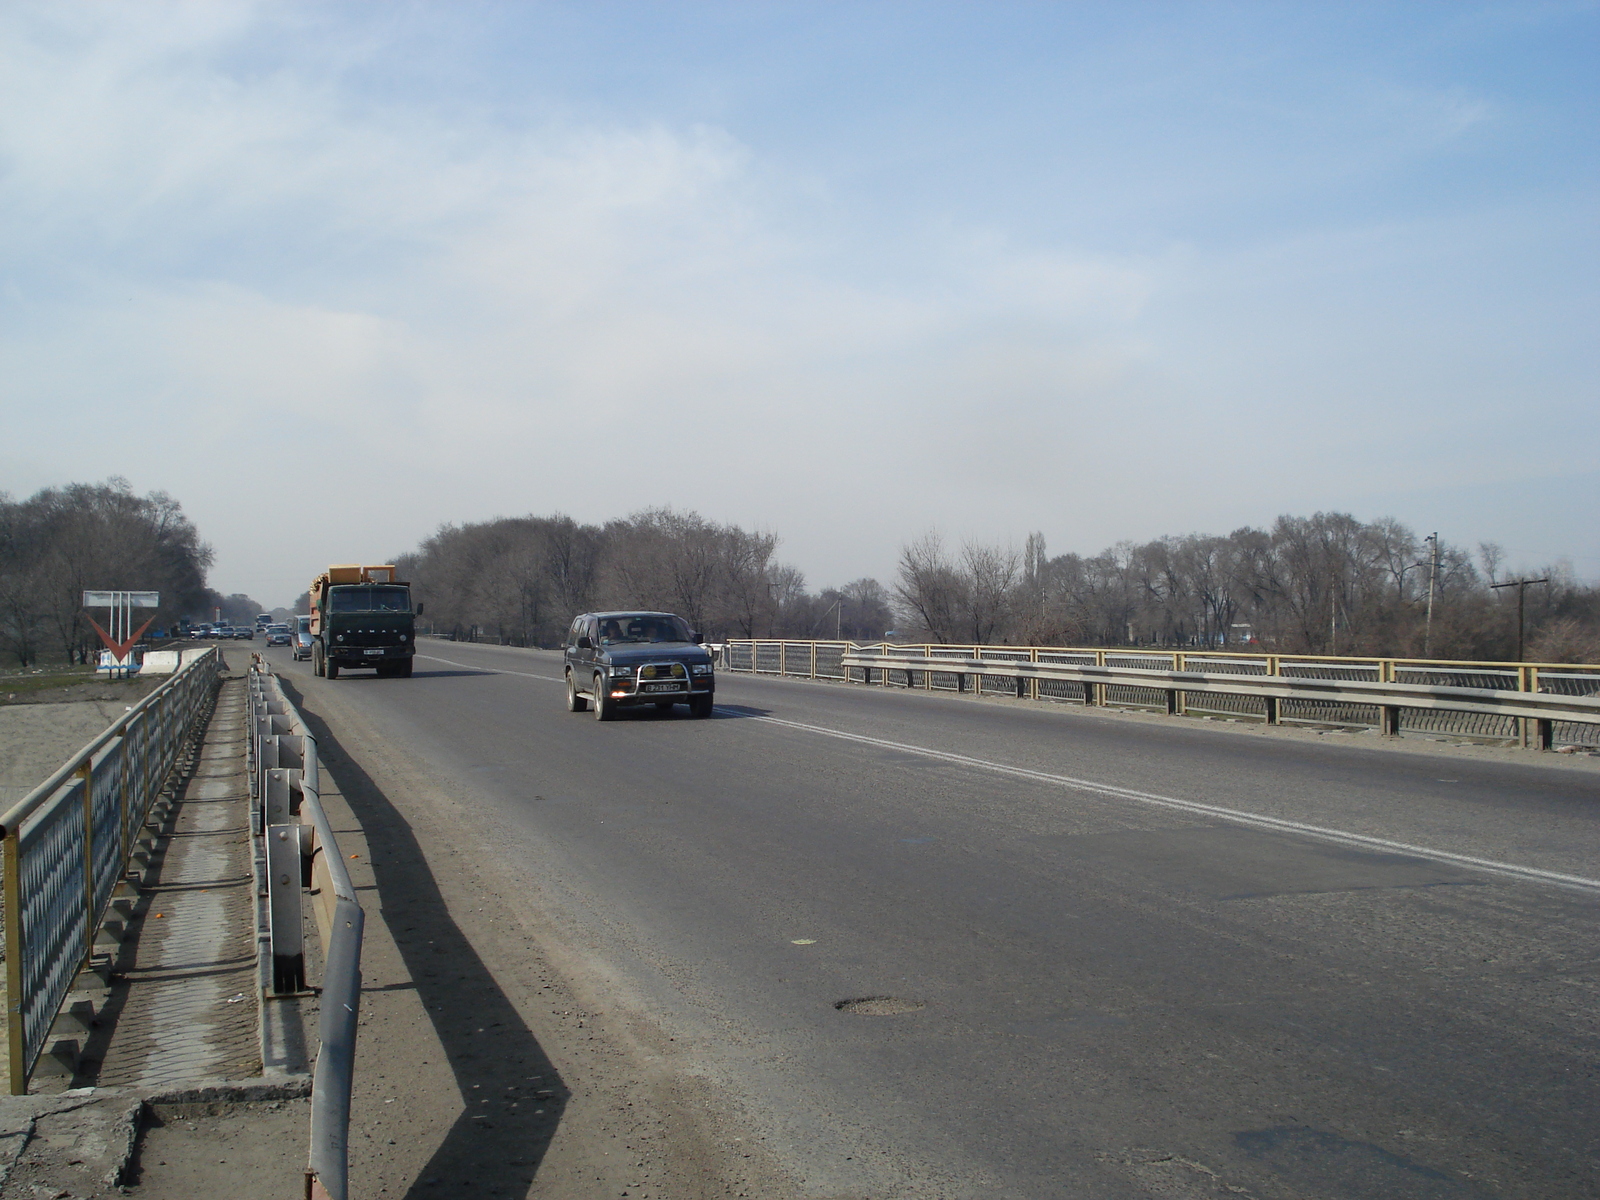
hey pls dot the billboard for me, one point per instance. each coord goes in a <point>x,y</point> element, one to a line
<point>122,599</point>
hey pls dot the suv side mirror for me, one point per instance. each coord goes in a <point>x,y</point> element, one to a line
<point>699,638</point>
<point>584,643</point>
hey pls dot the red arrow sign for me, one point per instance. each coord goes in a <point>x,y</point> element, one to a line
<point>120,649</point>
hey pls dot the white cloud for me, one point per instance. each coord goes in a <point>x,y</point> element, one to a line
<point>216,235</point>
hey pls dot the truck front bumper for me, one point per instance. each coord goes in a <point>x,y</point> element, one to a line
<point>355,656</point>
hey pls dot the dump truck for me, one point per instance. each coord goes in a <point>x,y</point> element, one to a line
<point>362,617</point>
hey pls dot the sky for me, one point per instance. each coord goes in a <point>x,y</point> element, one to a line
<point>334,275</point>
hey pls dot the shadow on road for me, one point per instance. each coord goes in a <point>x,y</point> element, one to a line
<point>491,1148</point>
<point>732,712</point>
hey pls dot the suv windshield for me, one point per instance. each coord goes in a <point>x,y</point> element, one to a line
<point>643,627</point>
<point>360,598</point>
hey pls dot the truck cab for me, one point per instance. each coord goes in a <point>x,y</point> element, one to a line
<point>362,617</point>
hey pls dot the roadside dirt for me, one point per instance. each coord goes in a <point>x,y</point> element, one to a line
<point>248,1151</point>
<point>36,739</point>
<point>492,1060</point>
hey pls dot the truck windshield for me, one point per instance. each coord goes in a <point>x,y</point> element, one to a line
<point>360,599</point>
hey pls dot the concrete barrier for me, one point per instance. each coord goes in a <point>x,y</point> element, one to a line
<point>165,662</point>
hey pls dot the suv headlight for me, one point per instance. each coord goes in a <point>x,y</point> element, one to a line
<point>622,670</point>
<point>699,668</point>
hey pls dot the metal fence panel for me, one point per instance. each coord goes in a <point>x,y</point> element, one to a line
<point>1414,711</point>
<point>66,845</point>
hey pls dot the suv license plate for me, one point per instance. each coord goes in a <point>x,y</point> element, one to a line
<point>661,687</point>
<point>372,652</point>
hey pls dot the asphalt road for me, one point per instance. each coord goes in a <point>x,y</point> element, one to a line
<point>1100,957</point>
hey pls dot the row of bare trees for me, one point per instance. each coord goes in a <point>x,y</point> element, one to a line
<point>1325,584</point>
<point>61,542</point>
<point>521,579</point>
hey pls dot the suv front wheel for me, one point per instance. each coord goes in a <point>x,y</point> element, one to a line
<point>605,708</point>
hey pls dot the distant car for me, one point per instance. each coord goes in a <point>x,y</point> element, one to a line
<point>244,633</point>
<point>301,645</point>
<point>620,660</point>
<point>278,635</point>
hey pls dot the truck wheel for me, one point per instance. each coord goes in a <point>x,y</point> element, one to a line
<point>316,661</point>
<point>329,667</point>
<point>605,709</point>
<point>575,702</point>
<point>701,706</point>
<point>403,670</point>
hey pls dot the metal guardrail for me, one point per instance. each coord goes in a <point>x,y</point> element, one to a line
<point>67,845</point>
<point>1552,702</point>
<point>298,852</point>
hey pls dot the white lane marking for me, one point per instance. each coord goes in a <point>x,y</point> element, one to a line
<point>493,670</point>
<point>1513,870</point>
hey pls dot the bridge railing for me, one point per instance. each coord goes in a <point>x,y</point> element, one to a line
<point>296,851</point>
<point>68,844</point>
<point>1546,703</point>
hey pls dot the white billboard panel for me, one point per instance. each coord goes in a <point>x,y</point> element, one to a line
<point>122,599</point>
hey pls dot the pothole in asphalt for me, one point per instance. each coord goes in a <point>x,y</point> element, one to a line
<point>879,1006</point>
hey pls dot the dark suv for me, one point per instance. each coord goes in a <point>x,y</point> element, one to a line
<point>626,659</point>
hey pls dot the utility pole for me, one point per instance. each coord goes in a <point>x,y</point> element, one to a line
<point>1433,579</point>
<point>1522,591</point>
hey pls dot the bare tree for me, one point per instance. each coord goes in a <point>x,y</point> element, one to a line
<point>992,575</point>
<point>929,589</point>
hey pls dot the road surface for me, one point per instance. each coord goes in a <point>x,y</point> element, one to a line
<point>920,946</point>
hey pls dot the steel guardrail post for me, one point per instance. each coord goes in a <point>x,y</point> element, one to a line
<point>286,925</point>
